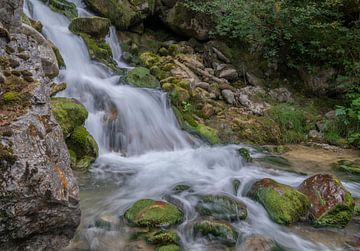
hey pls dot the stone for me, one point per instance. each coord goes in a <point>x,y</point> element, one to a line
<point>249,96</point>
<point>314,134</point>
<point>282,95</point>
<point>284,204</point>
<point>150,213</point>
<point>228,96</point>
<point>171,247</point>
<point>10,14</point>
<point>331,115</point>
<point>245,154</point>
<point>229,74</point>
<point>4,33</point>
<point>106,221</point>
<point>253,80</point>
<point>96,27</point>
<point>222,207</point>
<point>331,204</point>
<point>56,88</point>
<point>236,183</point>
<point>259,243</point>
<point>216,231</point>
<point>221,56</point>
<point>141,77</point>
<point>346,166</point>
<point>162,238</point>
<point>203,85</point>
<point>318,83</point>
<point>63,7</point>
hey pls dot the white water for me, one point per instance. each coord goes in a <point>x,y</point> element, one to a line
<point>138,123</point>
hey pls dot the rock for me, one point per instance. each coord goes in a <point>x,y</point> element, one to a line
<point>203,85</point>
<point>331,115</point>
<point>162,238</point>
<point>284,204</point>
<point>171,247</point>
<point>331,204</point>
<point>56,88</point>
<point>150,213</point>
<point>83,148</point>
<point>10,14</point>
<point>141,77</point>
<point>121,13</point>
<point>314,134</point>
<point>229,74</point>
<point>64,7</point>
<point>245,154</point>
<point>69,113</point>
<point>319,82</point>
<point>346,166</point>
<point>216,231</point>
<point>236,183</point>
<point>221,56</point>
<point>249,96</point>
<point>222,207</point>
<point>184,21</point>
<point>178,189</point>
<point>207,110</point>
<point>2,78</point>
<point>259,243</point>
<point>96,27</point>
<point>253,80</point>
<point>357,207</point>
<point>106,221</point>
<point>4,33</point>
<point>282,95</point>
<point>228,96</point>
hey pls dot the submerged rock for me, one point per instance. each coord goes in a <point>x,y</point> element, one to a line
<point>150,213</point>
<point>106,221</point>
<point>222,207</point>
<point>284,204</point>
<point>331,204</point>
<point>216,231</point>
<point>141,77</point>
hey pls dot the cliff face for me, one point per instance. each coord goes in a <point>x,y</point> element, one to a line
<point>39,197</point>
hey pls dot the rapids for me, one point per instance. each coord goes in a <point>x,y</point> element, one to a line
<point>144,153</point>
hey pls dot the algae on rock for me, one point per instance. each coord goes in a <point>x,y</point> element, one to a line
<point>141,77</point>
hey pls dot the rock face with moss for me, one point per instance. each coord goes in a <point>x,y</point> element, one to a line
<point>284,204</point>
<point>71,116</point>
<point>331,204</point>
<point>93,30</point>
<point>34,161</point>
<point>150,213</point>
<point>222,207</point>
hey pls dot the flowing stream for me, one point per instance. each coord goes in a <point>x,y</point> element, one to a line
<point>144,153</point>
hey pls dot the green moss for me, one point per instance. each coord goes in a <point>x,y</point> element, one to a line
<point>222,207</point>
<point>141,77</point>
<point>284,204</point>
<point>171,247</point>
<point>207,133</point>
<point>357,210</point>
<point>347,167</point>
<point>96,27</point>
<point>214,230</point>
<point>245,154</point>
<point>338,216</point>
<point>162,238</point>
<point>6,155</point>
<point>69,113</point>
<point>59,58</point>
<point>181,188</point>
<point>11,97</point>
<point>150,213</point>
<point>64,7</point>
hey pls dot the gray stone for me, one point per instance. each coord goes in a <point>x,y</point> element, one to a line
<point>221,56</point>
<point>319,82</point>
<point>282,95</point>
<point>314,134</point>
<point>331,115</point>
<point>10,14</point>
<point>203,85</point>
<point>253,80</point>
<point>229,74</point>
<point>228,96</point>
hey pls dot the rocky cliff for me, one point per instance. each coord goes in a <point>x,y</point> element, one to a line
<point>39,207</point>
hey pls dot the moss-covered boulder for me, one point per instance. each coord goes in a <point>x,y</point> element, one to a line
<point>222,207</point>
<point>151,213</point>
<point>64,7</point>
<point>69,113</point>
<point>141,77</point>
<point>83,147</point>
<point>171,247</point>
<point>162,238</point>
<point>121,13</point>
<point>216,231</point>
<point>284,204</point>
<point>331,204</point>
<point>97,27</point>
<point>347,166</point>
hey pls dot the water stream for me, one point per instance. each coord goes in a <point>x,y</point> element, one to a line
<point>144,153</point>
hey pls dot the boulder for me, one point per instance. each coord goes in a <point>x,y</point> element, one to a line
<point>151,213</point>
<point>284,204</point>
<point>222,207</point>
<point>141,77</point>
<point>216,231</point>
<point>229,74</point>
<point>259,243</point>
<point>331,204</point>
<point>282,95</point>
<point>229,96</point>
<point>162,238</point>
<point>96,27</point>
<point>64,7</point>
<point>10,14</point>
<point>318,83</point>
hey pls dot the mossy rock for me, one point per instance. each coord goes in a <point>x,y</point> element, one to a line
<point>162,238</point>
<point>11,97</point>
<point>180,188</point>
<point>222,207</point>
<point>346,166</point>
<point>171,247</point>
<point>245,154</point>
<point>96,27</point>
<point>207,133</point>
<point>236,185</point>
<point>141,77</point>
<point>150,213</point>
<point>69,113</point>
<point>64,7</point>
<point>6,155</point>
<point>59,57</point>
<point>84,146</point>
<point>331,203</point>
<point>216,231</point>
<point>284,204</point>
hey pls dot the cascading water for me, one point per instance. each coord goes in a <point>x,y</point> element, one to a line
<point>140,124</point>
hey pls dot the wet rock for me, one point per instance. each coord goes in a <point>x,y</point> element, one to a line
<point>141,77</point>
<point>222,207</point>
<point>346,166</point>
<point>284,204</point>
<point>216,231</point>
<point>245,154</point>
<point>63,7</point>
<point>150,213</point>
<point>228,96</point>
<point>182,188</point>
<point>331,204</point>
<point>106,221</point>
<point>162,238</point>
<point>171,247</point>
<point>258,243</point>
<point>282,95</point>
<point>97,27</point>
<point>56,88</point>
<point>236,185</point>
